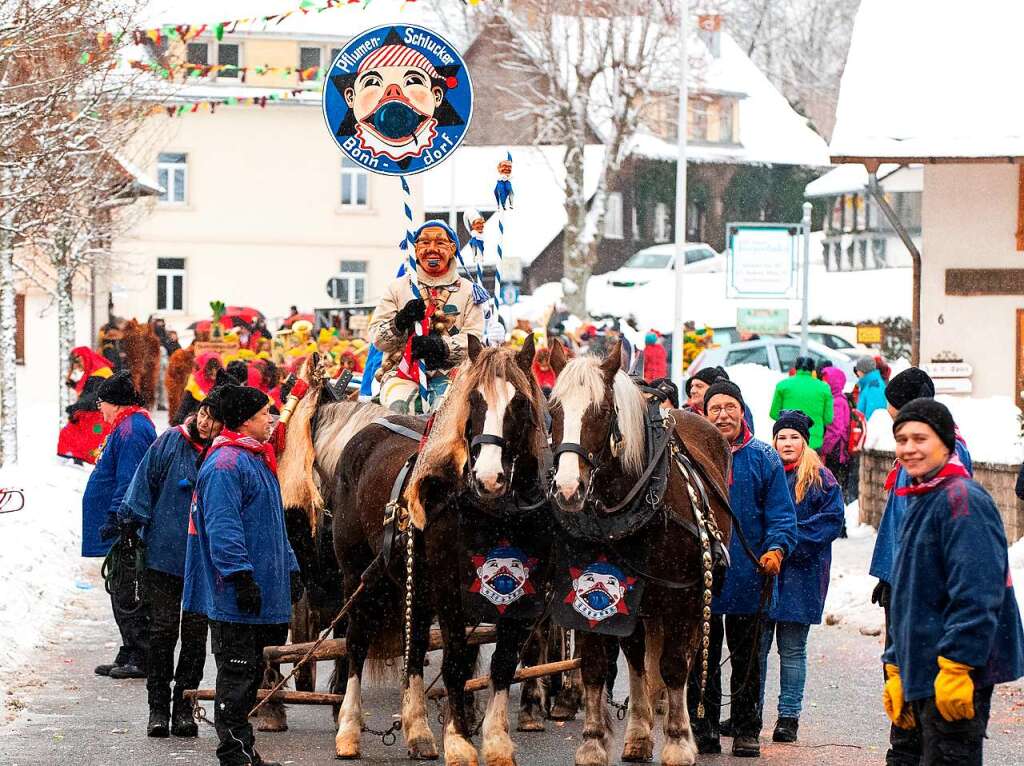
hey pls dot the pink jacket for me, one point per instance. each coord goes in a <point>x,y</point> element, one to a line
<point>838,431</point>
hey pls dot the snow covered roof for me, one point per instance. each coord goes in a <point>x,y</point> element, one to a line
<point>538,177</point>
<point>142,183</point>
<point>342,21</point>
<point>924,81</point>
<point>852,179</point>
<point>770,130</point>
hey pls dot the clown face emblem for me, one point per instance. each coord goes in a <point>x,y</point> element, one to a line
<point>503,575</point>
<point>599,591</point>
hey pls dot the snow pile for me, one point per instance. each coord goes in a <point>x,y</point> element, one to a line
<point>40,545</point>
<point>990,426</point>
<point>758,386</point>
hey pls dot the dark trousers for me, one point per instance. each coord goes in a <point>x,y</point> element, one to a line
<point>132,620</point>
<point>166,621</point>
<point>904,744</point>
<point>953,743</point>
<point>841,471</point>
<point>744,637</point>
<point>238,650</point>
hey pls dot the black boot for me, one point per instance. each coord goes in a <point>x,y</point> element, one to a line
<point>182,722</point>
<point>746,747</point>
<point>104,670</point>
<point>785,729</point>
<point>131,670</point>
<point>158,723</point>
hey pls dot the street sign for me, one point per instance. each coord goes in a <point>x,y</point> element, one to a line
<point>762,321</point>
<point>509,294</point>
<point>762,260</point>
<point>950,377</point>
<point>869,334</point>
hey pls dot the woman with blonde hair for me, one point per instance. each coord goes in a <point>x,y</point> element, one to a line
<point>803,581</point>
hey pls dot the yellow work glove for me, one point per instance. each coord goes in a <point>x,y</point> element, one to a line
<point>771,562</point>
<point>954,691</point>
<point>896,708</point>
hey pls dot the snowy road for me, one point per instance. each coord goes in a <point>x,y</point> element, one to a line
<point>57,712</point>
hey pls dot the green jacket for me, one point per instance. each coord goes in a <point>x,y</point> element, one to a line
<point>811,396</point>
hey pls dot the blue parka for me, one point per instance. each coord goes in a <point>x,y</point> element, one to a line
<point>125,446</point>
<point>761,502</point>
<point>237,523</point>
<point>952,595</point>
<point>871,393</point>
<point>803,582</point>
<point>887,542</point>
<point>160,496</point>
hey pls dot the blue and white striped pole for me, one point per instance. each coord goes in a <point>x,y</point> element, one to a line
<point>408,244</point>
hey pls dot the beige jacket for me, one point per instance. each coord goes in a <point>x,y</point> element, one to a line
<point>455,317</point>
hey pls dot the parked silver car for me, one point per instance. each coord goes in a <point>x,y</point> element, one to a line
<point>778,354</point>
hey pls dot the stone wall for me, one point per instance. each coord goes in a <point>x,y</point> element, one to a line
<point>999,479</point>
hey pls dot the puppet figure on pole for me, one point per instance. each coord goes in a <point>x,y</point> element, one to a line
<point>398,101</point>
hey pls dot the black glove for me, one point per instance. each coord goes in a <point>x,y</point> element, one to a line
<point>431,349</point>
<point>298,587</point>
<point>111,528</point>
<point>129,531</point>
<point>412,312</point>
<point>881,594</point>
<point>248,595</point>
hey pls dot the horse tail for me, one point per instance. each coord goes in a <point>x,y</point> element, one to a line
<point>295,465</point>
<point>384,663</point>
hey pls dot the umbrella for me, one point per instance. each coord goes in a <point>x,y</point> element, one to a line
<point>227,322</point>
<point>247,313</point>
<point>297,317</point>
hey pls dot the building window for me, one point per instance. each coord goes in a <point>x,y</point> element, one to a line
<point>172,174</point>
<point>334,55</point>
<point>170,284</point>
<point>725,124</point>
<point>613,215</point>
<point>697,118</point>
<point>355,184</point>
<point>309,57</point>
<point>349,287</point>
<point>662,223</point>
<point>198,53</point>
<point>228,55</point>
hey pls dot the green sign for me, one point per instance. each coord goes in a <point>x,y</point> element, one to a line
<point>762,321</point>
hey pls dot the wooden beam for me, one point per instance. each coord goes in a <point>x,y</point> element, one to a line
<point>286,696</point>
<point>335,649</point>
<point>845,159</point>
<point>523,674</point>
<point>1020,208</point>
<point>969,282</point>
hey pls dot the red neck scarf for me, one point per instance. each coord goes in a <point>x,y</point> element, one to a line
<point>790,467</point>
<point>890,479</point>
<point>198,446</point>
<point>263,450</point>
<point>126,413</point>
<point>952,468</point>
<point>743,439</point>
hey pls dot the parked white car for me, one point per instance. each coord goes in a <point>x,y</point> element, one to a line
<point>656,262</point>
<point>778,354</point>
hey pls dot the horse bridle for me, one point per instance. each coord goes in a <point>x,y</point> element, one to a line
<point>478,441</point>
<point>588,457</point>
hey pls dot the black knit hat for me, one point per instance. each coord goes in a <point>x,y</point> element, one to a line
<point>239,403</point>
<point>726,387</point>
<point>118,389</point>
<point>932,413</point>
<point>795,419</point>
<point>912,383</point>
<point>707,375</point>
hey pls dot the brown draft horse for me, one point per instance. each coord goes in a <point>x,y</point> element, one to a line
<point>141,349</point>
<point>336,456</point>
<point>591,396</point>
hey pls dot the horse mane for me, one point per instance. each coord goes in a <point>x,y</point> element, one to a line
<point>336,425</point>
<point>582,378</point>
<point>446,452</point>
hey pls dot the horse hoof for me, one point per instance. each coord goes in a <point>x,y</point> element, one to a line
<point>530,724</point>
<point>272,724</point>
<point>459,751</point>
<point>562,712</point>
<point>423,749</point>
<point>638,750</point>
<point>678,754</point>
<point>591,753</point>
<point>346,749</point>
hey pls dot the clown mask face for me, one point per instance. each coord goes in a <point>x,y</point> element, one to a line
<point>434,250</point>
<point>504,575</point>
<point>477,225</point>
<point>598,591</point>
<point>393,101</point>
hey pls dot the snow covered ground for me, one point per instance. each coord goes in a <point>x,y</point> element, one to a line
<point>40,546</point>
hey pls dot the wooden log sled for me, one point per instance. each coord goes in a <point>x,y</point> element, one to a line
<point>334,648</point>
<point>323,698</point>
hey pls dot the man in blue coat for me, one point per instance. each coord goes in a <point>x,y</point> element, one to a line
<point>240,570</point>
<point>156,507</point>
<point>762,504</point>
<point>912,383</point>
<point>870,386</point>
<point>955,628</point>
<point>130,436</point>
